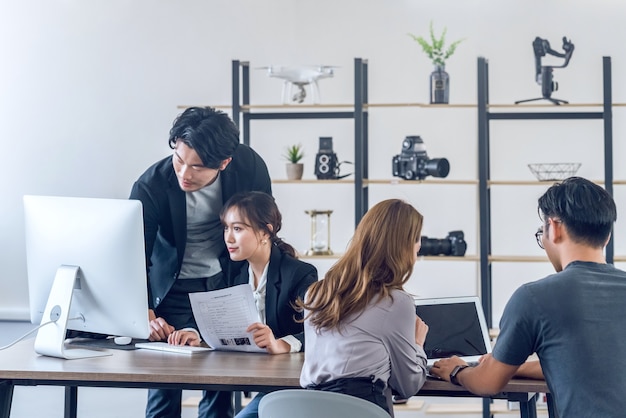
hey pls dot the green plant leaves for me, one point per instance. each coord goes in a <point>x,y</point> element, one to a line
<point>435,49</point>
<point>294,153</point>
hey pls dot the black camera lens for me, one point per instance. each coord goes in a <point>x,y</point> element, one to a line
<point>434,246</point>
<point>454,244</point>
<point>437,167</point>
<point>413,162</point>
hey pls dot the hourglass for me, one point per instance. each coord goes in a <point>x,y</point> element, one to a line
<point>320,232</point>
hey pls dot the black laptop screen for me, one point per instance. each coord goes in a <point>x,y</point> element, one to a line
<point>453,329</point>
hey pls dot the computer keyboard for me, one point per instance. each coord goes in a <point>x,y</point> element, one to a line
<point>181,349</point>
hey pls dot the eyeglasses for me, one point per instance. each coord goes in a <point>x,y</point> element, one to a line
<point>539,233</point>
<point>538,236</point>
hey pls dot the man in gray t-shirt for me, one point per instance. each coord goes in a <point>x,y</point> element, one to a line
<point>573,320</point>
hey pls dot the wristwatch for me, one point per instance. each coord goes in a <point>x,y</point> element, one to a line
<point>455,372</point>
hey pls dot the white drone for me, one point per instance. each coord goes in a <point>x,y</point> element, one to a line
<point>299,77</point>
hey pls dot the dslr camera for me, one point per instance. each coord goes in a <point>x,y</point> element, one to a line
<point>413,162</point>
<point>326,161</point>
<point>454,244</point>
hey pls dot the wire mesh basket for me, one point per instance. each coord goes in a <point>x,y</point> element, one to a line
<point>553,171</point>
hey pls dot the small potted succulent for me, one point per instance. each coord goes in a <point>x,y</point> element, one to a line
<point>293,155</point>
<point>438,53</point>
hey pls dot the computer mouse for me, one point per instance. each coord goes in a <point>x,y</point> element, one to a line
<point>122,340</point>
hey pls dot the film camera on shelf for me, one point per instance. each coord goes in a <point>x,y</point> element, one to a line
<point>413,162</point>
<point>454,244</point>
<point>543,73</point>
<point>326,162</point>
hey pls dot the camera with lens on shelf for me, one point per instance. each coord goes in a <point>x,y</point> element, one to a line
<point>413,162</point>
<point>327,164</point>
<point>454,245</point>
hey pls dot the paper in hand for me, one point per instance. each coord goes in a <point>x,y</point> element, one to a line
<point>223,317</point>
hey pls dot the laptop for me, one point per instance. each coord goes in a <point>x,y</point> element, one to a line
<point>456,327</point>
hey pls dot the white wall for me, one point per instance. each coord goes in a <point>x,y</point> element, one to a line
<point>88,91</point>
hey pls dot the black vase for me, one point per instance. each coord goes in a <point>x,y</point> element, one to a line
<point>439,85</point>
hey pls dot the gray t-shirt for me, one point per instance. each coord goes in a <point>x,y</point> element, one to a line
<point>205,234</point>
<point>379,342</point>
<point>575,321</point>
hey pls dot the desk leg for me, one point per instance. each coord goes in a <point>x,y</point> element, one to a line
<point>237,401</point>
<point>487,408</point>
<point>528,409</point>
<point>71,401</point>
<point>551,408</point>
<point>6,397</point>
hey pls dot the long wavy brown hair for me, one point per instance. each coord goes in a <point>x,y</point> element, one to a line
<point>379,258</point>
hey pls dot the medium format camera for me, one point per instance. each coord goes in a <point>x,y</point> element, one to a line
<point>454,244</point>
<point>326,159</point>
<point>327,164</point>
<point>413,162</point>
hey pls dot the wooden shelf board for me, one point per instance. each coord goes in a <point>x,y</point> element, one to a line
<point>518,258</point>
<point>542,183</point>
<point>225,107</point>
<point>422,105</point>
<point>449,258</point>
<point>296,107</point>
<point>425,258</point>
<point>303,256</point>
<point>399,181</point>
<point>543,105</point>
<point>309,106</point>
<point>312,181</point>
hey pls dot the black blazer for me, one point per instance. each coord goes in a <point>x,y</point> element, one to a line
<point>165,214</point>
<point>287,280</point>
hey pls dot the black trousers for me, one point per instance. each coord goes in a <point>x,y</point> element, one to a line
<point>361,387</point>
<point>176,310</point>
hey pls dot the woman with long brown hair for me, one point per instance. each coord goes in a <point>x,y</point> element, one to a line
<point>362,335</point>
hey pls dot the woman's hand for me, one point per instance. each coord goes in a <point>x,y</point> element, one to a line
<point>264,338</point>
<point>421,329</point>
<point>184,338</point>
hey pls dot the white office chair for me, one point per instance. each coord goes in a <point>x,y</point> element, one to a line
<point>303,403</point>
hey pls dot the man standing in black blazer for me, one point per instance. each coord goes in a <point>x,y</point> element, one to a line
<point>182,196</point>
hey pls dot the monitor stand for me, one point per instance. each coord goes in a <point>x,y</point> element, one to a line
<point>50,339</point>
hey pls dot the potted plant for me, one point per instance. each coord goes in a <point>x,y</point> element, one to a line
<point>295,168</point>
<point>438,54</point>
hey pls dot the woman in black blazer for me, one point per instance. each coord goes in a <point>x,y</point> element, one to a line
<point>251,222</point>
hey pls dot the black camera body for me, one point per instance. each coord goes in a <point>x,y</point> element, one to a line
<point>326,162</point>
<point>454,244</point>
<point>413,162</point>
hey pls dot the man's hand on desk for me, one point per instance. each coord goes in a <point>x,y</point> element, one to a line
<point>488,378</point>
<point>442,368</point>
<point>160,330</point>
<point>184,337</point>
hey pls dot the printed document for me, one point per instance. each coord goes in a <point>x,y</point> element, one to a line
<point>223,317</point>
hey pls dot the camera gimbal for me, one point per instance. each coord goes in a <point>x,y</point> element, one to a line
<point>543,73</point>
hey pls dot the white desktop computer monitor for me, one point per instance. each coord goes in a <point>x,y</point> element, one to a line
<point>86,270</point>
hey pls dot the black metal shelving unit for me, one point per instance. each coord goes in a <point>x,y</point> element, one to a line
<point>243,115</point>
<point>485,117</point>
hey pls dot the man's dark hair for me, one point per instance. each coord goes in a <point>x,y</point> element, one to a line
<point>211,133</point>
<point>587,210</point>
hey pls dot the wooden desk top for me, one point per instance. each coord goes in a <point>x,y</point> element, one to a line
<point>148,368</point>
